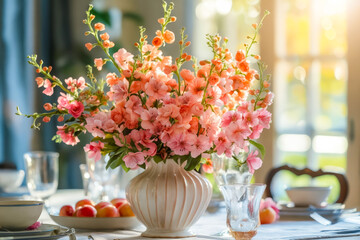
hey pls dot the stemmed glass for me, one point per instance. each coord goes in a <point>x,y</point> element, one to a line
<point>100,176</point>
<point>42,173</point>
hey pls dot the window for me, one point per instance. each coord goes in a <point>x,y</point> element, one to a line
<point>310,77</point>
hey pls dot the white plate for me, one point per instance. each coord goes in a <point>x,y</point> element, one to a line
<point>45,232</point>
<point>332,210</point>
<point>97,223</point>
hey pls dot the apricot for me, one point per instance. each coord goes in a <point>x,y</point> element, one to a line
<point>108,211</point>
<point>267,216</point>
<point>83,202</point>
<point>101,205</point>
<point>117,202</point>
<point>86,211</point>
<point>66,211</point>
<point>125,210</point>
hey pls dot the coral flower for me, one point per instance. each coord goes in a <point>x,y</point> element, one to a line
<point>208,166</point>
<point>169,36</point>
<point>157,41</point>
<point>89,46</point>
<point>47,106</point>
<point>67,135</point>
<point>99,26</point>
<point>99,62</point>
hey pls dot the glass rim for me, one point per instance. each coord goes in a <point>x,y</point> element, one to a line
<point>38,153</point>
<point>244,184</point>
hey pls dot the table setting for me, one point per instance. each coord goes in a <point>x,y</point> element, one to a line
<point>170,124</point>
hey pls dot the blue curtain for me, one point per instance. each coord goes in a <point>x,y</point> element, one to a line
<point>17,85</point>
<point>15,78</point>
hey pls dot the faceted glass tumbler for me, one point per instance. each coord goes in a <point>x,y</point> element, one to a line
<point>242,206</point>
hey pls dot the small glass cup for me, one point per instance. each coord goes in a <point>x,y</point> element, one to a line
<point>42,173</point>
<point>242,207</point>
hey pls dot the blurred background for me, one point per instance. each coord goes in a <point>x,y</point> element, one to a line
<point>310,47</point>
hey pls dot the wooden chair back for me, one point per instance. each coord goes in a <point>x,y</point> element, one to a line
<point>344,185</point>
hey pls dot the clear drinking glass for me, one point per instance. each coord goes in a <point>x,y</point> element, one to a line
<point>101,177</point>
<point>242,207</point>
<point>42,173</point>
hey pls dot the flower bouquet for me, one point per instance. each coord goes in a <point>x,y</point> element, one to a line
<point>152,111</point>
<point>152,108</point>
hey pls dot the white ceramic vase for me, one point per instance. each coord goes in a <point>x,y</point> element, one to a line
<point>168,200</point>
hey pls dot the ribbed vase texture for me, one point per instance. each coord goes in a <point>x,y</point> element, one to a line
<point>167,199</point>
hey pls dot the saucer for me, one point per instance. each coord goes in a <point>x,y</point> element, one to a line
<point>45,232</point>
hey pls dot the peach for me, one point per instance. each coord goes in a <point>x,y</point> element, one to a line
<point>125,210</point>
<point>86,211</point>
<point>267,215</point>
<point>117,202</point>
<point>101,205</point>
<point>108,211</point>
<point>83,202</point>
<point>66,211</point>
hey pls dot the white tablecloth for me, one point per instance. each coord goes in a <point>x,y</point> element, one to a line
<point>212,223</point>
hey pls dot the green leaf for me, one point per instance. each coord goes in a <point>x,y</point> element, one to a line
<point>192,163</point>
<point>258,146</point>
<point>157,159</point>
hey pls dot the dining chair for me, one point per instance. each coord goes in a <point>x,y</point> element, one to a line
<point>344,185</point>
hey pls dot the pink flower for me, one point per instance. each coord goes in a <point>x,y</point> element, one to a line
<point>74,84</point>
<point>166,112</point>
<point>210,121</point>
<point>229,117</point>
<point>133,107</point>
<point>49,90</point>
<point>123,58</point>
<point>243,108</point>
<point>181,143</point>
<point>94,150</point>
<point>67,135</point>
<point>264,118</point>
<point>99,62</point>
<point>256,131</point>
<point>251,118</point>
<point>120,90</point>
<point>237,132</point>
<point>201,144</point>
<point>156,88</point>
<point>64,101</point>
<point>253,162</point>
<point>76,108</point>
<point>223,145</point>
<point>133,160</point>
<point>95,124</point>
<point>270,203</point>
<point>148,118</point>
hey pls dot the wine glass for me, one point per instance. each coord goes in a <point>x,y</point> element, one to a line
<point>100,176</point>
<point>42,173</point>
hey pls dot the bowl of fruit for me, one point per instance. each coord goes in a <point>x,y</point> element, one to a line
<point>104,215</point>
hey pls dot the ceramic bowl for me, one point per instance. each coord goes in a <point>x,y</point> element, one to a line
<point>19,214</point>
<point>305,196</point>
<point>10,179</point>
